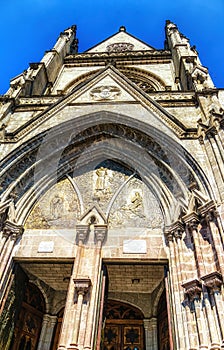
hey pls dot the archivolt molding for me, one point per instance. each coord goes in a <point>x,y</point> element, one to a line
<point>138,76</point>
<point>141,77</point>
<point>173,168</point>
<point>83,78</point>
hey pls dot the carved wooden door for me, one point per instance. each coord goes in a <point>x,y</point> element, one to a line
<point>28,325</point>
<point>124,327</point>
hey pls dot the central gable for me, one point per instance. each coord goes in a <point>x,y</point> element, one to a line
<point>120,42</point>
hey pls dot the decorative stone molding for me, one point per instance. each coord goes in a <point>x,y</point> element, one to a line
<point>12,229</point>
<point>213,281</point>
<point>120,47</point>
<point>82,285</point>
<point>82,232</point>
<point>193,289</point>
<point>169,236</point>
<point>191,220</point>
<point>177,229</point>
<point>209,211</point>
<point>105,93</point>
<point>100,232</point>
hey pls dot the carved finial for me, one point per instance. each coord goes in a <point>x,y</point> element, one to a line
<point>122,29</point>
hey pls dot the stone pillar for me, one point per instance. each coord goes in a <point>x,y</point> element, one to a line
<point>193,290</point>
<point>11,232</point>
<point>70,307</point>
<point>213,283</point>
<point>151,337</point>
<point>192,222</point>
<point>153,323</point>
<point>80,320</point>
<point>100,234</point>
<point>175,295</point>
<point>209,215</point>
<point>48,325</point>
<point>148,337</point>
<point>82,286</point>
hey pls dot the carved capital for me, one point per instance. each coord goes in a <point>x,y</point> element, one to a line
<point>169,236</point>
<point>177,229</point>
<point>193,289</point>
<point>208,209</point>
<point>100,232</point>
<point>213,281</point>
<point>82,285</point>
<point>82,232</point>
<point>191,220</point>
<point>11,229</point>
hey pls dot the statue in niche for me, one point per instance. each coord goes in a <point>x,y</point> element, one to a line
<point>56,207</point>
<point>101,179</point>
<point>12,212</point>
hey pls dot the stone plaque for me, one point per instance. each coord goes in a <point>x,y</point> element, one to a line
<point>134,246</point>
<point>46,247</point>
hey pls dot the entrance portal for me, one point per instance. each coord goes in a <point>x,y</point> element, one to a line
<point>123,328</point>
<point>29,323</point>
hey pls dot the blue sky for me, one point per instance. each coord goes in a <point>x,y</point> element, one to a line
<point>30,27</point>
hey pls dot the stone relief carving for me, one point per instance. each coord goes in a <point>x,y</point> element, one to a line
<point>105,93</point>
<point>57,208</point>
<point>99,185</point>
<point>120,47</point>
<point>117,191</point>
<point>135,206</point>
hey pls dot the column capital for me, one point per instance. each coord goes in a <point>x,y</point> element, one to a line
<point>12,229</point>
<point>100,232</point>
<point>146,323</point>
<point>82,285</point>
<point>213,281</point>
<point>169,236</point>
<point>82,232</point>
<point>191,220</point>
<point>177,228</point>
<point>193,289</point>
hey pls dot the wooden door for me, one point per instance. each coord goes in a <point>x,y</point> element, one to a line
<point>123,328</point>
<point>28,325</point>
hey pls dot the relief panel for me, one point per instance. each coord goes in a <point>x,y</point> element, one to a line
<point>58,208</point>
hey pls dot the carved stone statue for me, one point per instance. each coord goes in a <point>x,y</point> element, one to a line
<point>101,178</point>
<point>56,207</point>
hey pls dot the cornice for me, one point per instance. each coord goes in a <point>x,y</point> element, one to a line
<point>140,57</point>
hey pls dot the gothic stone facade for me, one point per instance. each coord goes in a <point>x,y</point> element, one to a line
<point>112,199</point>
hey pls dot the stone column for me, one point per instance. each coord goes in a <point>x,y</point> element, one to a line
<point>179,331</point>
<point>153,323</point>
<point>178,233</point>
<point>70,307</point>
<point>48,325</point>
<point>82,286</point>
<point>12,232</point>
<point>210,217</point>
<point>100,234</point>
<point>192,222</point>
<point>148,336</point>
<point>151,336</point>
<point>213,282</point>
<point>193,290</point>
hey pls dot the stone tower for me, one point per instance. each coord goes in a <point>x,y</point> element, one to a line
<point>112,199</point>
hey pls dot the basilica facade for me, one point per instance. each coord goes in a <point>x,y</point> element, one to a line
<point>112,199</point>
